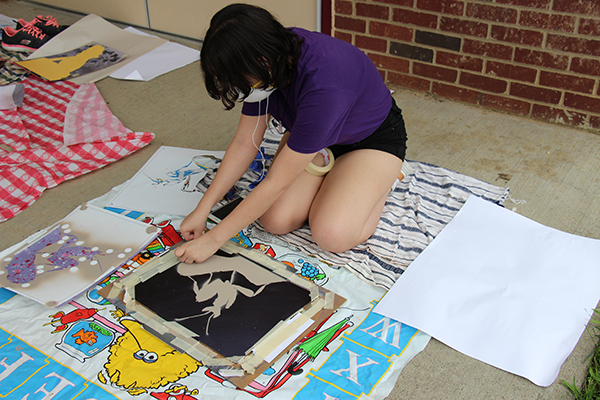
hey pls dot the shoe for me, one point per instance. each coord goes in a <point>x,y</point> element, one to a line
<point>48,25</point>
<point>27,39</point>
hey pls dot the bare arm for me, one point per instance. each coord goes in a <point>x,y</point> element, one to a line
<point>238,157</point>
<point>283,172</point>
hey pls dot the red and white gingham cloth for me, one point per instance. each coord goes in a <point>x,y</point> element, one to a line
<point>61,131</point>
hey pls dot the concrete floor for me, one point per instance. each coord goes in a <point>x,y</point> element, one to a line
<point>553,168</point>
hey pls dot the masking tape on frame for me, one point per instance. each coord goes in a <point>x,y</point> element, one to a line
<point>283,330</point>
<point>329,300</point>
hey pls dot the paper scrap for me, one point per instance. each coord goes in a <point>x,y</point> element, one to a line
<point>72,255</point>
<point>165,58</point>
<point>83,60</point>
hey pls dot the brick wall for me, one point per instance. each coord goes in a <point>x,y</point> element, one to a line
<point>536,58</point>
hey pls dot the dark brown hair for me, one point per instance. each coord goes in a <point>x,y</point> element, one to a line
<point>246,41</point>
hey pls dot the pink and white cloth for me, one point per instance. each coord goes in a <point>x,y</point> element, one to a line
<point>61,131</point>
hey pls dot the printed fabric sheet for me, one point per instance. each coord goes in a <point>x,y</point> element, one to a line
<point>88,349</point>
<point>61,131</point>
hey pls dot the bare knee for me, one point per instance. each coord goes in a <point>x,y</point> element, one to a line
<point>279,223</point>
<point>333,237</point>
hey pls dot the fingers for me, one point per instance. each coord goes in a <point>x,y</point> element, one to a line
<point>187,260</point>
<point>180,251</point>
<point>196,249</point>
<point>191,252</point>
<point>193,233</point>
<point>183,254</point>
<point>188,235</point>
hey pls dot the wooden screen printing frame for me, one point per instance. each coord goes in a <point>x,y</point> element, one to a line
<point>243,369</point>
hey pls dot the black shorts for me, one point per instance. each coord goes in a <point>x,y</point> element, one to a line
<point>390,137</point>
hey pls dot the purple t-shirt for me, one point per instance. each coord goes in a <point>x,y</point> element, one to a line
<point>336,97</point>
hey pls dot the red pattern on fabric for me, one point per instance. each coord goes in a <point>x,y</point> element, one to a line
<point>39,158</point>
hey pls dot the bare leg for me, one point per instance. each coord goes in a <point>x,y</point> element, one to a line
<point>348,205</point>
<point>290,211</point>
<point>344,207</point>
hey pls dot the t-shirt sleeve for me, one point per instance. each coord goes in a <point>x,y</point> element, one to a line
<point>320,118</point>
<point>254,109</point>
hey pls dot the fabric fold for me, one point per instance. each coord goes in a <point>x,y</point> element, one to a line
<point>61,131</point>
<point>88,118</point>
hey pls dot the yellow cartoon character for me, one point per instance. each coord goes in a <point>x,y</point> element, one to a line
<point>139,361</point>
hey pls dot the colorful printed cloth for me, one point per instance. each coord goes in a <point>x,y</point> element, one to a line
<point>89,349</point>
<point>55,136</point>
<point>10,72</point>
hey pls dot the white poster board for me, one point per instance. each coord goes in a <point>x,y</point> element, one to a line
<point>503,289</point>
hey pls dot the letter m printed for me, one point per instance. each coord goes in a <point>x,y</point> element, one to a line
<point>383,333</point>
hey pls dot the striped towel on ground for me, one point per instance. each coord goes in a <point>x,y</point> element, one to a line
<point>415,212</point>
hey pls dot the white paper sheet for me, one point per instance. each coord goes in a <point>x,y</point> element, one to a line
<point>159,61</point>
<point>503,289</point>
<point>167,182</point>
